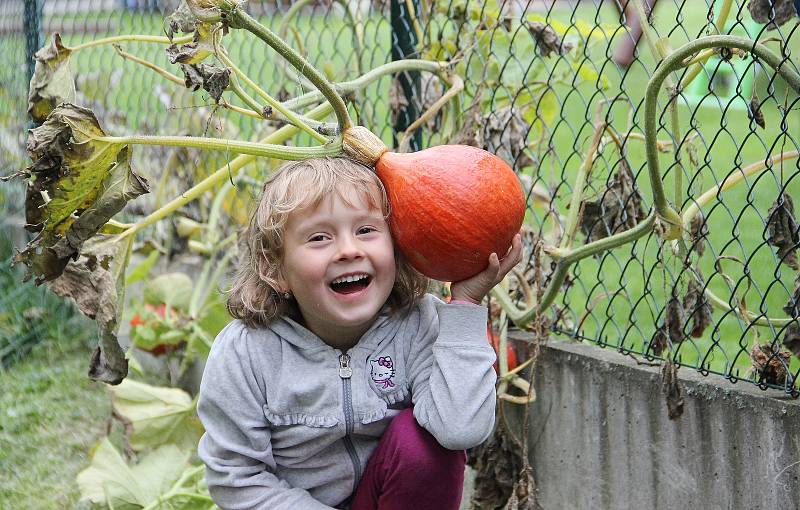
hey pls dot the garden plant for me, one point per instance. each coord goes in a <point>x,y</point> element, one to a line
<point>81,178</point>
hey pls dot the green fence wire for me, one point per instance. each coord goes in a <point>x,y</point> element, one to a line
<point>539,77</point>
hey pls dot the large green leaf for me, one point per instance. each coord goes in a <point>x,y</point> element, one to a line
<point>76,184</point>
<point>110,481</point>
<point>96,282</point>
<point>52,82</point>
<point>158,415</point>
<point>174,289</point>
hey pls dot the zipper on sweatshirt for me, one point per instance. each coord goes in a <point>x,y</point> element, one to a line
<point>345,373</point>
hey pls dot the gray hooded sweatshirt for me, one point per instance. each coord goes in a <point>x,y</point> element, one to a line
<point>290,421</point>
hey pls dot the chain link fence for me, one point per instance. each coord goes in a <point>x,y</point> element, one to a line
<point>543,80</point>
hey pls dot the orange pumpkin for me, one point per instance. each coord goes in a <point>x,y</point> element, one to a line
<point>452,205</point>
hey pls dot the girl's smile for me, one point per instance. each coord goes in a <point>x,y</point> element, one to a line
<point>339,264</point>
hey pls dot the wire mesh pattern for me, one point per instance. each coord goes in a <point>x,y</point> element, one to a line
<point>540,76</point>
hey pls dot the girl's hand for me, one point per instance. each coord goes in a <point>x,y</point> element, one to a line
<point>475,288</point>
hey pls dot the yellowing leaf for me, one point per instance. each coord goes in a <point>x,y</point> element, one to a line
<point>76,184</point>
<point>158,415</point>
<point>52,82</point>
<point>110,481</point>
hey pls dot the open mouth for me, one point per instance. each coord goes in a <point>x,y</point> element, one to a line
<point>350,284</point>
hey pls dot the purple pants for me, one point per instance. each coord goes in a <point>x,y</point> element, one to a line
<point>410,469</point>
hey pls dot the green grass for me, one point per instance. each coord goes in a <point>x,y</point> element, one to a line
<point>51,414</point>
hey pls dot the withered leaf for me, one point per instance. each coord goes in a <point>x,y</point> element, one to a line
<point>202,46</point>
<point>697,308</point>
<point>770,364</point>
<point>181,20</point>
<point>791,338</point>
<point>497,463</point>
<point>213,79</point>
<point>618,209</point>
<point>671,388</point>
<point>792,306</point>
<point>96,282</point>
<point>524,494</point>
<point>502,132</point>
<point>698,231</point>
<point>783,232</point>
<point>76,184</point>
<point>773,12</point>
<point>52,82</point>
<point>658,344</point>
<point>755,111</point>
<point>547,40</point>
<point>674,320</point>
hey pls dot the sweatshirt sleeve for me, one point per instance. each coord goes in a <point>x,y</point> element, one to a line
<point>236,445</point>
<point>451,374</point>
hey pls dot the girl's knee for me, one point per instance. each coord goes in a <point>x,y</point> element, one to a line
<point>420,451</point>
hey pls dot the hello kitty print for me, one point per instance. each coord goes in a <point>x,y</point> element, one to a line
<point>382,372</point>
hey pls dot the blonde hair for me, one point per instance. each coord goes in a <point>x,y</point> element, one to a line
<point>253,297</point>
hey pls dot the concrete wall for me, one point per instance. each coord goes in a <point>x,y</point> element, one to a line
<point>601,439</point>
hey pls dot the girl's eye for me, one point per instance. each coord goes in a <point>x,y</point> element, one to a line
<point>367,230</point>
<point>316,238</point>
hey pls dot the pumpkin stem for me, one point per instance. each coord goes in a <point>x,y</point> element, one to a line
<point>362,145</point>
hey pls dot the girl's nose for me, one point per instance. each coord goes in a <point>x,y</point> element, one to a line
<point>348,248</point>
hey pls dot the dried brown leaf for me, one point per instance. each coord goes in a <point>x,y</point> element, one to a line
<point>547,40</point>
<point>697,308</point>
<point>755,111</point>
<point>497,463</point>
<point>769,364</point>
<point>791,338</point>
<point>773,12</point>
<point>181,20</point>
<point>96,282</point>
<point>618,209</point>
<point>792,306</point>
<point>671,388</point>
<point>783,232</point>
<point>213,79</point>
<point>524,493</point>
<point>502,132</point>
<point>698,230</point>
<point>658,344</point>
<point>674,320</point>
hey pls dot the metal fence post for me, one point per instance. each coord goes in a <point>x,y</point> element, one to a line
<point>34,37</point>
<point>404,42</point>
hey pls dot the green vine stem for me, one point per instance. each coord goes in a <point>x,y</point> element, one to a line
<point>580,183</point>
<point>566,258</point>
<point>238,18</point>
<point>731,180</point>
<point>660,50</point>
<point>675,61</point>
<point>745,315</point>
<point>236,146</point>
<point>133,38</point>
<point>224,172</point>
<point>290,116</point>
<point>160,70</point>
<point>353,21</point>
<point>348,87</point>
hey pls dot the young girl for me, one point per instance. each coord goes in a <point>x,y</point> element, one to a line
<point>341,383</point>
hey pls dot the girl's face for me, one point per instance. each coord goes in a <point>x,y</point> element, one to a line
<point>339,264</point>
